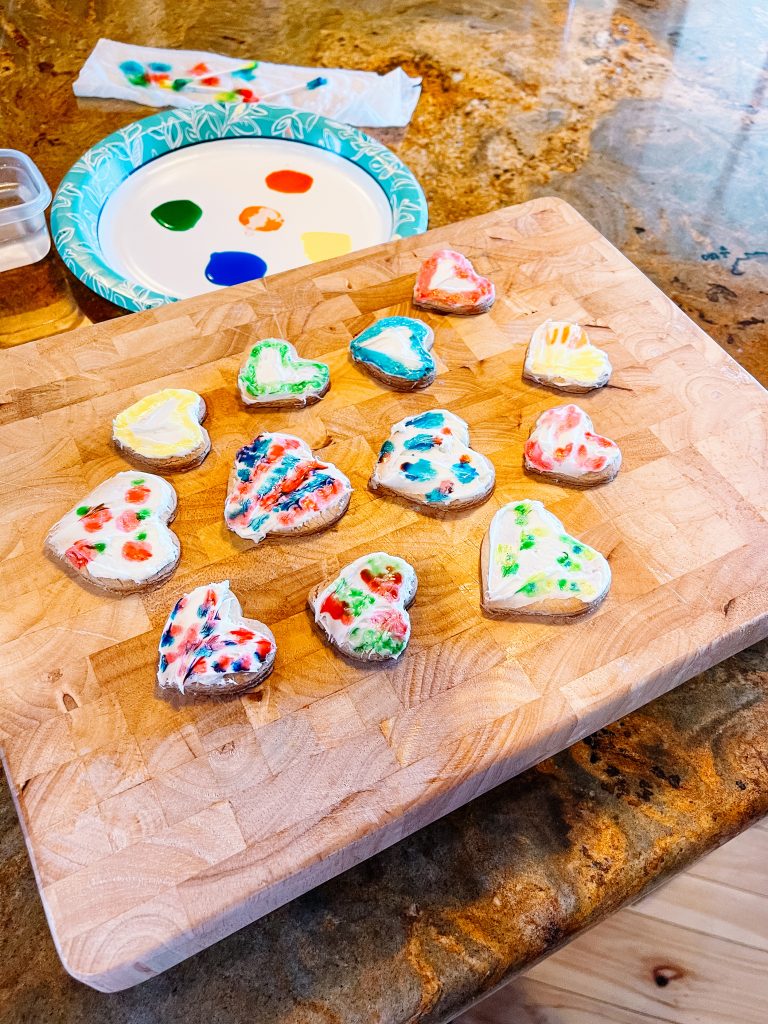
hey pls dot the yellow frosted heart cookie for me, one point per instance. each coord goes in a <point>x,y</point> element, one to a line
<point>561,355</point>
<point>164,430</point>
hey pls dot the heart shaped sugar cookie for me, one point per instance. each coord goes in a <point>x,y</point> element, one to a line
<point>531,566</point>
<point>563,447</point>
<point>427,459</point>
<point>163,430</point>
<point>275,375</point>
<point>396,351</point>
<point>363,611</point>
<point>561,355</point>
<point>448,283</point>
<point>208,647</point>
<point>118,537</point>
<point>278,486</point>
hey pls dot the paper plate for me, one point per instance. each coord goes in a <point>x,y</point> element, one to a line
<point>187,201</point>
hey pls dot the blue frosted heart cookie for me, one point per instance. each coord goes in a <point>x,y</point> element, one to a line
<point>427,460</point>
<point>396,351</point>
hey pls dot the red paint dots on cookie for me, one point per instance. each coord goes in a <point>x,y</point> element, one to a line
<point>261,218</point>
<point>96,518</point>
<point>127,521</point>
<point>137,494</point>
<point>136,551</point>
<point>80,554</point>
<point>289,181</point>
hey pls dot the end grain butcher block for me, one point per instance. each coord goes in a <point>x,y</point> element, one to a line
<point>157,829</point>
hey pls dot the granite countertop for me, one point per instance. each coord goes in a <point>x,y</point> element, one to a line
<point>650,118</point>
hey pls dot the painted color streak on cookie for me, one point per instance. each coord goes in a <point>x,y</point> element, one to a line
<point>273,372</point>
<point>119,531</point>
<point>363,611</point>
<point>447,281</point>
<point>563,443</point>
<point>397,346</point>
<point>162,425</point>
<point>427,458</point>
<point>206,639</point>
<point>561,353</point>
<point>279,487</point>
<point>533,559</point>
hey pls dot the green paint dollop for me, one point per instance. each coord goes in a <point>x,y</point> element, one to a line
<point>178,214</point>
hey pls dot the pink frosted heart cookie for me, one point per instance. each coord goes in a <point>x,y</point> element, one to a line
<point>448,283</point>
<point>117,537</point>
<point>564,447</point>
<point>363,612</point>
<point>207,646</point>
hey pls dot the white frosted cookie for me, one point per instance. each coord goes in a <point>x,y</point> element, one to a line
<point>278,486</point>
<point>427,460</point>
<point>118,536</point>
<point>363,611</point>
<point>448,283</point>
<point>275,375</point>
<point>207,646</point>
<point>164,430</point>
<point>396,351</point>
<point>561,356</point>
<point>531,566</point>
<point>563,447</point>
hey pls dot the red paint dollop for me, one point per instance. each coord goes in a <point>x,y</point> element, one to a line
<point>289,181</point>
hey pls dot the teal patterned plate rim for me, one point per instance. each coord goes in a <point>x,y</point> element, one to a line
<point>88,184</point>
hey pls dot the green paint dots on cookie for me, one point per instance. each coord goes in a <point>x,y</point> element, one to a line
<point>177,214</point>
<point>83,510</point>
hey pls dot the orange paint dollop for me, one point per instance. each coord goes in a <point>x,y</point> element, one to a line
<point>289,181</point>
<point>261,218</point>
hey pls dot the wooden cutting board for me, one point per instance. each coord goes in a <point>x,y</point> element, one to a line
<point>155,831</point>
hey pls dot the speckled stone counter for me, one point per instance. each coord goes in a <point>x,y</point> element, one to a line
<point>651,119</point>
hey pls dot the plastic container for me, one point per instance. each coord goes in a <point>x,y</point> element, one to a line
<point>24,198</point>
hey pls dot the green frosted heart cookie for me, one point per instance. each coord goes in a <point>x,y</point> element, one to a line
<point>273,374</point>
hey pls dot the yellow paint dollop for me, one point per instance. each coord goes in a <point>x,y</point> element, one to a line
<point>324,245</point>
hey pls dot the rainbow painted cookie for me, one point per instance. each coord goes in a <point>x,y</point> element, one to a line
<point>427,460</point>
<point>118,537</point>
<point>561,356</point>
<point>164,430</point>
<point>448,283</point>
<point>275,375</point>
<point>396,351</point>
<point>278,486</point>
<point>208,647</point>
<point>564,448</point>
<point>529,565</point>
<point>363,611</point>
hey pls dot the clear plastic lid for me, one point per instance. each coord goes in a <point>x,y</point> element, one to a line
<point>24,192</point>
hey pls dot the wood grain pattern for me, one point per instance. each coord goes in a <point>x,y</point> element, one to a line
<point>156,830</point>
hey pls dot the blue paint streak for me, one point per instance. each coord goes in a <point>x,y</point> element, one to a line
<point>465,472</point>
<point>420,470</point>
<point>388,364</point>
<point>436,495</point>
<point>159,66</point>
<point>420,443</point>
<point>428,420</point>
<point>233,267</point>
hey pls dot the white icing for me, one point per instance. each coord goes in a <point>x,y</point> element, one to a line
<point>276,363</point>
<point>396,343</point>
<point>566,437</point>
<point>560,352</point>
<point>445,278</point>
<point>453,437</point>
<point>509,531</point>
<point>111,564</point>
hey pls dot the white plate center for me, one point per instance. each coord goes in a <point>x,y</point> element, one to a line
<point>344,209</point>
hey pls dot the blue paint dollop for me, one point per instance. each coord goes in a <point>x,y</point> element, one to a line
<point>233,267</point>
